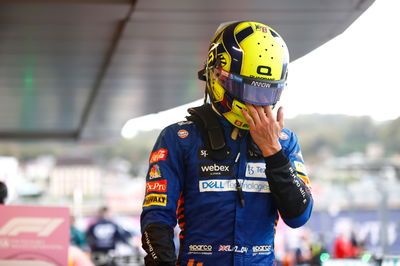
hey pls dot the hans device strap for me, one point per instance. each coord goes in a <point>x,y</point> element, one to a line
<point>207,122</point>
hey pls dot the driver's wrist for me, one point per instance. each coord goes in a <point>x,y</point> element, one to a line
<point>270,150</point>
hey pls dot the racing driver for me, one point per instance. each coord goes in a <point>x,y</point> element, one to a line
<point>229,172</point>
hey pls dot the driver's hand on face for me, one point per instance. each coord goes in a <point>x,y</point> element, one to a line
<point>264,127</point>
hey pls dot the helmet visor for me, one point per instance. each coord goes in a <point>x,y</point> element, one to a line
<point>251,90</point>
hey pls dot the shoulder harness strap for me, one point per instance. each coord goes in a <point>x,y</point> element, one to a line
<point>207,122</point>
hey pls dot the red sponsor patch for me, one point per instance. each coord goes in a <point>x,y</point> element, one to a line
<point>183,133</point>
<point>224,248</point>
<point>158,186</point>
<point>158,155</point>
<point>238,123</point>
<point>225,73</point>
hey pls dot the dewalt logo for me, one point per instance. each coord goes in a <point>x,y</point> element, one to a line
<point>155,199</point>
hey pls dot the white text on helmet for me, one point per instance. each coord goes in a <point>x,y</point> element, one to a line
<point>260,84</point>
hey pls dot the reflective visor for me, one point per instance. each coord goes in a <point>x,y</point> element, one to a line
<point>251,90</point>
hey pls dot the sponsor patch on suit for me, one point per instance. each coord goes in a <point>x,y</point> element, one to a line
<point>219,185</point>
<point>155,199</point>
<point>215,169</point>
<point>255,170</point>
<point>204,154</point>
<point>157,186</point>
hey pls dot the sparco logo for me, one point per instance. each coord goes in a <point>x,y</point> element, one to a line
<point>266,248</point>
<point>260,84</point>
<point>200,248</point>
<point>213,169</point>
<point>41,226</point>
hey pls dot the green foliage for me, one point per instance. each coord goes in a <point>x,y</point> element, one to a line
<point>319,135</point>
<point>390,135</point>
<point>136,150</point>
<point>30,150</point>
<point>340,134</point>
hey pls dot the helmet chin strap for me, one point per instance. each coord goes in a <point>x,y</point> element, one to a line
<point>215,109</point>
<point>206,96</point>
<point>235,130</point>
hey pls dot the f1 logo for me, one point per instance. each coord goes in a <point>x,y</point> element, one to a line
<point>41,226</point>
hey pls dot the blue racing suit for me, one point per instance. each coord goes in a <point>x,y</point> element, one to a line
<point>184,184</point>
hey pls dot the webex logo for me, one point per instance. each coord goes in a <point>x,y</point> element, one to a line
<point>214,169</point>
<point>43,226</point>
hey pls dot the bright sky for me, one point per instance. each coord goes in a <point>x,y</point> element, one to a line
<point>356,73</point>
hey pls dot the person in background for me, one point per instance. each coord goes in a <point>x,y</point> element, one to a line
<point>318,247</point>
<point>303,253</point>
<point>357,246</point>
<point>3,193</point>
<point>102,237</point>
<point>230,172</point>
<point>77,237</point>
<point>342,247</point>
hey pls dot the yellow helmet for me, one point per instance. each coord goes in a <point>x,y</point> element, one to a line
<point>247,62</point>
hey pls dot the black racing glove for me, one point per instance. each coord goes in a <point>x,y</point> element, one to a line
<point>157,241</point>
